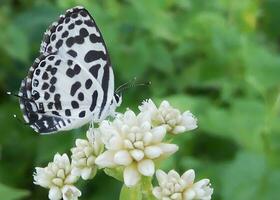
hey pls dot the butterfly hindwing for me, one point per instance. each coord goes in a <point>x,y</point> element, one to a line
<point>61,87</point>
<point>72,81</point>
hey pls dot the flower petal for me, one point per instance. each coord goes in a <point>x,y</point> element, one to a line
<point>189,121</point>
<point>146,167</point>
<point>55,193</point>
<point>86,173</point>
<point>161,177</point>
<point>131,176</point>
<point>115,142</point>
<point>158,134</point>
<point>137,154</point>
<point>188,194</point>
<point>153,152</point>
<point>172,174</point>
<point>70,192</point>
<point>122,157</point>
<point>106,159</point>
<point>157,192</point>
<point>168,149</point>
<point>188,177</point>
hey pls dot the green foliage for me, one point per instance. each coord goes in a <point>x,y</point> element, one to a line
<point>9,193</point>
<point>219,59</point>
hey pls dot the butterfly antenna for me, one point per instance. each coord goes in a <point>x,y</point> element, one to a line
<point>120,88</point>
<point>135,85</point>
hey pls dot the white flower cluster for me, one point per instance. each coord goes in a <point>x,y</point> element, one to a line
<point>61,174</point>
<point>133,143</point>
<point>172,186</point>
<point>174,121</point>
<point>58,177</point>
<point>84,155</point>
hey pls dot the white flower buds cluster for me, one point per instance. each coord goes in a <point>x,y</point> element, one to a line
<point>58,177</point>
<point>133,143</point>
<point>174,121</point>
<point>84,155</point>
<point>172,186</point>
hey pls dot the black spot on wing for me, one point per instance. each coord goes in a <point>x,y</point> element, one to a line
<point>78,22</point>
<point>94,70</point>
<point>68,112</point>
<point>77,69</point>
<point>82,114</point>
<point>72,53</point>
<point>53,70</point>
<point>75,87</point>
<point>70,73</point>
<point>53,80</point>
<point>94,38</point>
<point>105,84</point>
<point>46,95</point>
<point>45,76</point>
<point>70,42</point>
<point>57,62</point>
<point>88,83</point>
<point>89,23</point>
<point>83,32</point>
<point>81,96</point>
<point>59,44</point>
<point>45,86</point>
<point>93,55</point>
<point>75,104</point>
<point>93,101</point>
<point>35,95</point>
<point>65,34</point>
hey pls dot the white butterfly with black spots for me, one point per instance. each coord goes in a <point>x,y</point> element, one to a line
<point>71,83</point>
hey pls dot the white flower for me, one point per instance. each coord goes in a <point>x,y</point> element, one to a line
<point>172,186</point>
<point>133,143</point>
<point>84,155</point>
<point>174,121</point>
<point>58,178</point>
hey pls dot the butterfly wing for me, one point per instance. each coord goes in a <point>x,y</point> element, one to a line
<point>53,102</point>
<point>72,81</point>
<point>76,34</point>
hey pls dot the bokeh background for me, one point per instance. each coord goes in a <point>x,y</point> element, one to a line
<point>219,58</point>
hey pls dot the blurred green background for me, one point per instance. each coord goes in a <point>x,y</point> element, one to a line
<point>218,58</point>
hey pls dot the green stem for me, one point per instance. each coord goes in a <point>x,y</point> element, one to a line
<point>147,188</point>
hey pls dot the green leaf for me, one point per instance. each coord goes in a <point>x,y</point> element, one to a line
<point>243,178</point>
<point>9,193</point>
<point>250,176</point>
<point>131,193</point>
<point>243,121</point>
<point>16,44</point>
<point>162,57</point>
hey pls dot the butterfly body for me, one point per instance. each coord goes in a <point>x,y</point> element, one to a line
<point>72,82</point>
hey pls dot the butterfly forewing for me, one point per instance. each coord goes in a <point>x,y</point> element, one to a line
<point>72,81</point>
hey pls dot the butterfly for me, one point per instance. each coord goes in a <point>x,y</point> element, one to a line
<point>71,83</point>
